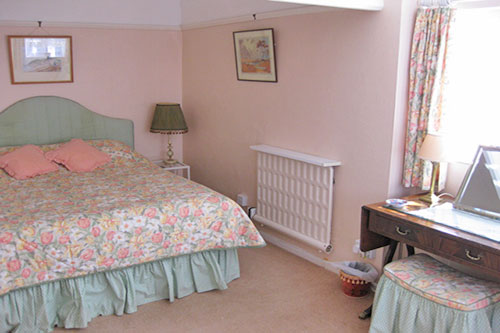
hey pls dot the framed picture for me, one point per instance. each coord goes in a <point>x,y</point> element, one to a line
<point>40,59</point>
<point>255,57</point>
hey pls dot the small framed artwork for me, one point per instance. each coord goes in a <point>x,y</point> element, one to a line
<point>255,56</point>
<point>40,59</point>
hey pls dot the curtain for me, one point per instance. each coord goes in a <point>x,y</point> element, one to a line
<point>427,68</point>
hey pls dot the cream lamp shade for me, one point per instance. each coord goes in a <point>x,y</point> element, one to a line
<point>433,149</point>
<point>168,119</point>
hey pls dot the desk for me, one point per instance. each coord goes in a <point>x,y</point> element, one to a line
<point>382,226</point>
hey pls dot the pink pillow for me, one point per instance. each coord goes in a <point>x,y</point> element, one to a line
<point>26,162</point>
<point>78,156</point>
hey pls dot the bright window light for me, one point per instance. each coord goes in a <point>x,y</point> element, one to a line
<point>472,96</point>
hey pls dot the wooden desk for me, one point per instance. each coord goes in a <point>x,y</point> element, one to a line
<point>383,226</point>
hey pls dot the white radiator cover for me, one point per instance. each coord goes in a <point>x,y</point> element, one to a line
<point>294,194</point>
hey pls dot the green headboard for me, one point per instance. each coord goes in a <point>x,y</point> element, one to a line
<point>51,119</point>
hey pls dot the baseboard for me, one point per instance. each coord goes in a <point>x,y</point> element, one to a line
<point>300,252</point>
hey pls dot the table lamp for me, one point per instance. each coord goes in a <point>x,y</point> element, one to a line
<point>168,119</point>
<point>433,150</point>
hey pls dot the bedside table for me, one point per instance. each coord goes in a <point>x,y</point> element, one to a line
<point>177,168</point>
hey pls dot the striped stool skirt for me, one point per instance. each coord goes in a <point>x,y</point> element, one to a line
<point>421,294</point>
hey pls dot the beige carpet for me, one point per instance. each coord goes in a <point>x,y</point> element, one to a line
<point>277,292</point>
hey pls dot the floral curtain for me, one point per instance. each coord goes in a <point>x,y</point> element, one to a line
<point>427,65</point>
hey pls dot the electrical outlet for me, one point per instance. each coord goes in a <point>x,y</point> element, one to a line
<point>252,211</point>
<point>242,199</point>
<point>368,254</point>
<point>357,250</point>
<point>355,247</point>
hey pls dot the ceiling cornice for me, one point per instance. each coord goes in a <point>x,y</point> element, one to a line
<point>206,24</point>
<point>258,16</point>
<point>91,25</point>
<point>175,15</point>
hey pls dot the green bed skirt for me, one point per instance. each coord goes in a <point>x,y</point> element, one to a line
<point>396,309</point>
<point>72,303</point>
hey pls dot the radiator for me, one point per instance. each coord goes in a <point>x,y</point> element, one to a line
<point>294,194</point>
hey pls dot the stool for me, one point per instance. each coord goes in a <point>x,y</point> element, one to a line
<point>421,294</point>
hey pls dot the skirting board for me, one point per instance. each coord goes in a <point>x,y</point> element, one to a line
<point>299,252</point>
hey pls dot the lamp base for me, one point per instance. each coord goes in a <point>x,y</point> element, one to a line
<point>430,198</point>
<point>169,161</point>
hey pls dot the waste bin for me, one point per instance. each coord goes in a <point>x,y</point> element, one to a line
<point>356,277</point>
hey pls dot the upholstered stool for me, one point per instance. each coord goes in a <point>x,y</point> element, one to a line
<point>421,294</point>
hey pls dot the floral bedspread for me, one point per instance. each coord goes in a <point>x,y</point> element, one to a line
<point>130,211</point>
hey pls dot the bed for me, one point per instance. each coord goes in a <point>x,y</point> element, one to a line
<point>77,245</point>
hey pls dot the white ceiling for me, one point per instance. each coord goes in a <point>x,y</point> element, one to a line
<point>158,13</point>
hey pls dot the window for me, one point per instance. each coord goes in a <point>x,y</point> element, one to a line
<point>471,109</point>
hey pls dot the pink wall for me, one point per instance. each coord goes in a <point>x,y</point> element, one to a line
<point>119,73</point>
<point>335,98</point>
<point>408,14</point>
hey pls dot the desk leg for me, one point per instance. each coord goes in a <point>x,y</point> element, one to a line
<point>388,258</point>
<point>410,250</point>
<point>392,250</point>
<point>366,313</point>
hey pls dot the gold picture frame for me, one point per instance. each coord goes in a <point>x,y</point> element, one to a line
<point>255,55</point>
<point>40,59</point>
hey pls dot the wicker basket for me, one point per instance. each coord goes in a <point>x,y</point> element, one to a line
<point>354,286</point>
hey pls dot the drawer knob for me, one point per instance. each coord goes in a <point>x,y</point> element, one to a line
<point>402,232</point>
<point>471,257</point>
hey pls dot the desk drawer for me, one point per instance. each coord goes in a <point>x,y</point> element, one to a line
<point>395,229</point>
<point>470,254</point>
